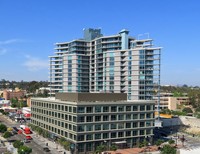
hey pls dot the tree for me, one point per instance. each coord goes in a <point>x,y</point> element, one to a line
<point>24,150</point>
<point>3,128</point>
<point>187,110</point>
<point>7,134</point>
<point>171,141</point>
<point>167,149</point>
<point>100,149</point>
<point>113,147</point>
<point>18,144</point>
<point>159,142</point>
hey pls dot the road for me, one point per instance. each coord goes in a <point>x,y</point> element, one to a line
<point>34,144</point>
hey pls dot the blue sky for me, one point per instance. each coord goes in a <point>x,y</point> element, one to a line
<point>29,29</point>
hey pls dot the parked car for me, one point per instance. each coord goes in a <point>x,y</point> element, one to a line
<point>28,137</point>
<point>15,128</point>
<point>46,149</point>
<point>26,141</point>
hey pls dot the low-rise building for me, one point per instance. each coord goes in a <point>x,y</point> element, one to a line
<point>168,101</point>
<point>7,95</point>
<point>91,119</point>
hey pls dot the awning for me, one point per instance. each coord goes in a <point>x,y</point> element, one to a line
<point>120,142</point>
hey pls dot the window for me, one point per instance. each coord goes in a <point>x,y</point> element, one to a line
<point>141,132</point>
<point>89,119</point>
<point>98,127</point>
<point>105,135</point>
<point>89,128</point>
<point>105,126</point>
<point>89,137</point>
<point>121,117</point>
<point>81,119</point>
<point>81,110</point>
<point>135,116</point>
<point>135,124</point>
<point>70,109</point>
<point>142,116</point>
<point>66,117</point>
<point>89,110</point>
<point>113,109</point>
<point>113,126</point>
<point>128,117</point>
<point>128,108</point>
<point>135,133</point>
<point>128,125</point>
<point>97,118</point>
<point>142,124</point>
<point>148,107</point>
<point>105,109</point>
<point>120,134</point>
<point>120,125</point>
<point>74,109</point>
<point>81,128</point>
<point>120,109</point>
<point>105,118</point>
<point>148,115</point>
<point>66,108</point>
<point>98,136</point>
<point>128,133</point>
<point>135,108</point>
<point>113,135</point>
<point>80,137</point>
<point>97,108</point>
<point>142,107</point>
<point>148,123</point>
<point>113,117</point>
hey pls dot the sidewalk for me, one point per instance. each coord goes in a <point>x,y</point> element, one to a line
<point>54,147</point>
<point>9,146</point>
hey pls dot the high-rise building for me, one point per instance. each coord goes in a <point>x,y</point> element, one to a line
<point>112,64</point>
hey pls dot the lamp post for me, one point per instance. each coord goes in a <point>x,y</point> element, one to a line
<point>105,143</point>
<point>149,144</point>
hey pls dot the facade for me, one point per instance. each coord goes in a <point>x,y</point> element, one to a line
<point>106,64</point>
<point>7,95</point>
<point>88,123</point>
<point>168,101</point>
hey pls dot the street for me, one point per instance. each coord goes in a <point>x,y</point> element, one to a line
<point>37,147</point>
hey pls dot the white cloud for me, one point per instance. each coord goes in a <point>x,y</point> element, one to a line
<point>10,41</point>
<point>2,51</point>
<point>35,64</point>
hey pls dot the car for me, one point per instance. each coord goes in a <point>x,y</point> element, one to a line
<point>19,131</point>
<point>28,137</point>
<point>46,149</point>
<point>15,128</point>
<point>26,141</point>
<point>14,132</point>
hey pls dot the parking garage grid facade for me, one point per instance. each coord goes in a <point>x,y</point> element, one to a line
<point>87,124</point>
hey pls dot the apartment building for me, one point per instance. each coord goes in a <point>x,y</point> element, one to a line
<point>107,64</point>
<point>91,119</point>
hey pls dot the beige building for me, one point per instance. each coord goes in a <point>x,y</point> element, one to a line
<point>7,95</point>
<point>167,101</point>
<point>91,119</point>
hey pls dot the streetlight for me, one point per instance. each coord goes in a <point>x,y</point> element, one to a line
<point>149,144</point>
<point>105,143</point>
